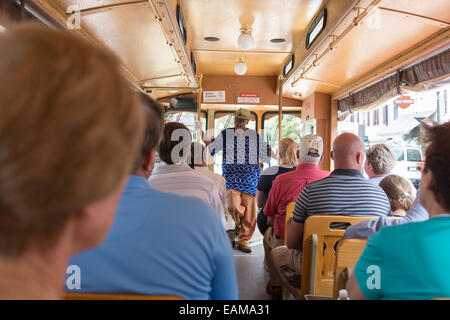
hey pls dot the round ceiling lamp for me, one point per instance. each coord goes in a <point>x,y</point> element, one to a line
<point>245,40</point>
<point>240,67</point>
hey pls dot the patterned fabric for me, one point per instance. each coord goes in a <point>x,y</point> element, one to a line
<point>241,154</point>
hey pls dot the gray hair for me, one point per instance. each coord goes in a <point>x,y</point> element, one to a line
<point>381,157</point>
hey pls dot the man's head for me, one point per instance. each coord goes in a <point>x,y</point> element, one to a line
<point>380,160</point>
<point>435,182</point>
<point>348,152</point>
<point>69,127</point>
<point>154,116</point>
<point>197,155</point>
<point>310,149</point>
<point>241,118</point>
<point>175,143</point>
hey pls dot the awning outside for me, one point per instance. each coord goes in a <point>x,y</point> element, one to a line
<point>405,123</point>
<point>436,67</point>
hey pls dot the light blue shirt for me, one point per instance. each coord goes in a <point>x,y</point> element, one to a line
<point>409,261</point>
<point>365,229</point>
<point>161,244</point>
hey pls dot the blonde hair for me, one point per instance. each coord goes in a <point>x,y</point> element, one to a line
<point>399,192</point>
<point>70,129</point>
<point>288,149</point>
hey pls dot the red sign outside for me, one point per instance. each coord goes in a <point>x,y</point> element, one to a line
<point>404,101</point>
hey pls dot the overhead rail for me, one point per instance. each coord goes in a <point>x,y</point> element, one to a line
<point>173,38</point>
<point>335,40</point>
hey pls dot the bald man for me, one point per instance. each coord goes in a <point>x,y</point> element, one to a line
<point>344,192</point>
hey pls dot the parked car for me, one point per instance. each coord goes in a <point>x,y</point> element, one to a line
<point>409,163</point>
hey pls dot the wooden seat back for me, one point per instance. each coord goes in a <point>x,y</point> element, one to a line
<point>117,296</point>
<point>348,253</point>
<point>318,257</point>
<point>289,213</point>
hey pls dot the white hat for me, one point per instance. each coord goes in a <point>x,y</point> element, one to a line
<point>311,148</point>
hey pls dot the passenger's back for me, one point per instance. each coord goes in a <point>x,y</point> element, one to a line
<point>161,243</point>
<point>344,192</point>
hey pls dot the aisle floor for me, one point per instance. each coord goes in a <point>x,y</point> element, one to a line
<point>251,276</point>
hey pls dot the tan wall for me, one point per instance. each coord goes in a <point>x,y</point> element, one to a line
<point>264,86</point>
<point>325,113</point>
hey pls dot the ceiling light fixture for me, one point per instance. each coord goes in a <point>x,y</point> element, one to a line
<point>240,67</point>
<point>245,40</point>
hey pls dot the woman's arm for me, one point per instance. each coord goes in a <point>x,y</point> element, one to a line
<point>260,198</point>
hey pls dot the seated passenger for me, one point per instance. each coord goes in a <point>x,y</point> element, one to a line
<point>380,160</point>
<point>410,261</point>
<point>288,162</point>
<point>175,176</point>
<point>69,124</point>
<point>198,163</point>
<point>344,192</point>
<point>161,243</point>
<point>285,189</point>
<point>400,193</point>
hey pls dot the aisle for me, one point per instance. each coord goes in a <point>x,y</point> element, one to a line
<point>251,276</point>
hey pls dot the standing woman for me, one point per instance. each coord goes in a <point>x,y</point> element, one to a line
<point>287,162</point>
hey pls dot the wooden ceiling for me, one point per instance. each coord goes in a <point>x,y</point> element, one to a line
<point>388,31</point>
<point>153,53</point>
<point>269,19</point>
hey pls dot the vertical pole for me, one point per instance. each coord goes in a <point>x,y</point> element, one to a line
<point>280,107</point>
<point>199,98</point>
<point>199,106</point>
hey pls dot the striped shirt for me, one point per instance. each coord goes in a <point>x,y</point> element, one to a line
<point>346,193</point>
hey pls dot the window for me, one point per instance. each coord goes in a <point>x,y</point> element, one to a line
<point>291,127</point>
<point>368,119</point>
<point>316,28</point>
<point>395,111</point>
<point>180,19</point>
<point>413,155</point>
<point>288,66</point>
<point>399,154</point>
<point>385,115</point>
<point>193,63</point>
<point>352,118</point>
<point>188,119</point>
<point>357,117</point>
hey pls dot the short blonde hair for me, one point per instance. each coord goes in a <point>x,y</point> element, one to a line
<point>382,158</point>
<point>70,129</point>
<point>288,148</point>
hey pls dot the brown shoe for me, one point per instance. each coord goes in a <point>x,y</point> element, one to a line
<point>244,248</point>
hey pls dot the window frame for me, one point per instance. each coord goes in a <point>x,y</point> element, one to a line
<point>201,111</point>
<point>290,60</point>
<point>322,14</point>
<point>181,23</point>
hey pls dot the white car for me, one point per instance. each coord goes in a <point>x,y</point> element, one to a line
<point>409,163</point>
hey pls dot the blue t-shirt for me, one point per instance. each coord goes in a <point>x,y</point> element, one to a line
<point>241,154</point>
<point>409,261</point>
<point>161,244</point>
